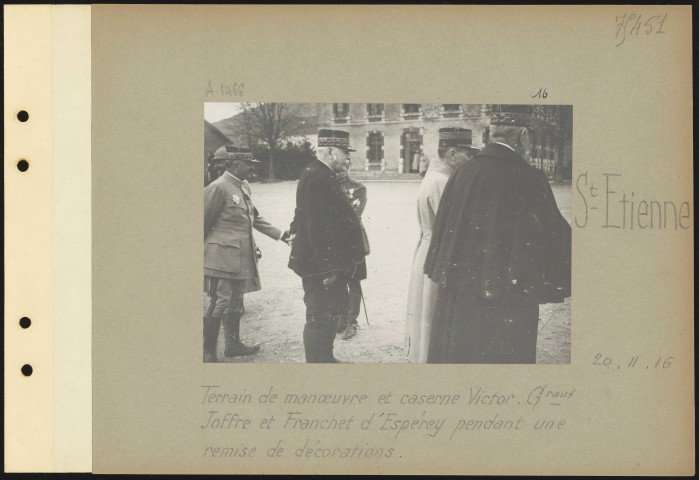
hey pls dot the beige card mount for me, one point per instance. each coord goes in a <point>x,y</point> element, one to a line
<point>103,242</point>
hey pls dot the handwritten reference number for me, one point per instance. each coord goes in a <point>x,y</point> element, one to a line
<point>638,23</point>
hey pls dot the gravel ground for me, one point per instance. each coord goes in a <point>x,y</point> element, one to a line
<point>275,315</point>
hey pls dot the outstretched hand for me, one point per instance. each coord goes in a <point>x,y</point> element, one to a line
<point>288,238</point>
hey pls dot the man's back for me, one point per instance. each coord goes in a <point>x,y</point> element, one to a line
<point>500,234</point>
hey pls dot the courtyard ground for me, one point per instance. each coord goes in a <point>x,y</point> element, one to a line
<point>275,316</point>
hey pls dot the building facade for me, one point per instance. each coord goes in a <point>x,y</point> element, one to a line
<point>387,136</point>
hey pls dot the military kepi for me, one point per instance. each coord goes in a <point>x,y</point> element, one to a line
<point>511,116</point>
<point>334,138</point>
<point>230,152</point>
<point>455,137</point>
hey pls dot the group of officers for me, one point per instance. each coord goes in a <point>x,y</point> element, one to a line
<point>493,247</point>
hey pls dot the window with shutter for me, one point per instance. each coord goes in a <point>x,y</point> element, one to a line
<point>374,111</point>
<point>450,110</point>
<point>411,143</point>
<point>341,112</point>
<point>410,108</point>
<point>374,147</point>
<point>411,111</point>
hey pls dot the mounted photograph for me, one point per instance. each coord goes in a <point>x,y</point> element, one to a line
<point>387,233</point>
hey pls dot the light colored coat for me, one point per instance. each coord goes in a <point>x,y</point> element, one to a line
<point>422,292</point>
<point>229,217</point>
<point>423,164</point>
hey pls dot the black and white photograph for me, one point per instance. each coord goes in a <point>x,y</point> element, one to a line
<point>387,233</point>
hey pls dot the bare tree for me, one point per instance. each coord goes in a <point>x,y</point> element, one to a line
<point>270,123</point>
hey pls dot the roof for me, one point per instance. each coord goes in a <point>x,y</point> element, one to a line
<point>216,132</point>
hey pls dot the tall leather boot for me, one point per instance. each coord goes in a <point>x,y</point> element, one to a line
<point>341,323</point>
<point>312,343</point>
<point>328,340</point>
<point>212,325</point>
<point>231,330</point>
<point>354,300</point>
<point>350,330</point>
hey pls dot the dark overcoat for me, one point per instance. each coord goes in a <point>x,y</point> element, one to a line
<point>328,231</point>
<point>499,234</point>
<point>500,247</point>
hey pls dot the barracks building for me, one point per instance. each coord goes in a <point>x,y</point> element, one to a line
<point>388,135</point>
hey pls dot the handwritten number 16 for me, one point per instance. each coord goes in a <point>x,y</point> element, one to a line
<point>542,93</point>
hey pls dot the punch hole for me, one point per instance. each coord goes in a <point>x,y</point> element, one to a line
<point>25,322</point>
<point>22,116</point>
<point>27,370</point>
<point>23,165</point>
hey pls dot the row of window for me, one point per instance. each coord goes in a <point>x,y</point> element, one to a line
<point>375,143</point>
<point>375,111</point>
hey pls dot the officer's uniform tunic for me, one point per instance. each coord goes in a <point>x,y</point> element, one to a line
<point>356,195</point>
<point>229,245</point>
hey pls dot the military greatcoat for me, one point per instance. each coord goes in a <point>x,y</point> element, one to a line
<point>328,231</point>
<point>500,248</point>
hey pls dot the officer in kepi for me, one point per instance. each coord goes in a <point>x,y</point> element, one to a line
<point>230,258</point>
<point>328,248</point>
<point>499,248</point>
<point>357,197</point>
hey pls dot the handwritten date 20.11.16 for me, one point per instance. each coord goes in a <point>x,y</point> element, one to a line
<point>631,24</point>
<point>632,362</point>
